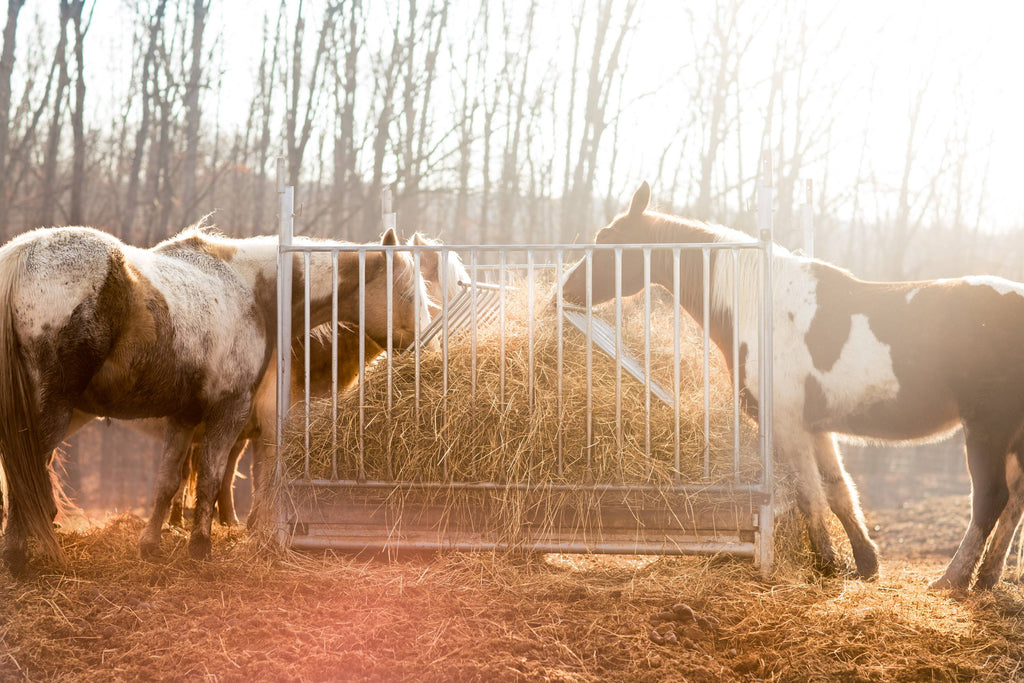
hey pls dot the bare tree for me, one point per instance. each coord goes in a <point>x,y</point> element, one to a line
<point>604,74</point>
<point>346,195</point>
<point>76,210</point>
<point>6,69</point>
<point>48,201</point>
<point>304,90</point>
<point>154,27</point>
<point>200,11</point>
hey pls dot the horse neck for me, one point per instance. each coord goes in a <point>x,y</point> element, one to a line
<point>321,285</point>
<point>723,276</point>
<point>349,281</point>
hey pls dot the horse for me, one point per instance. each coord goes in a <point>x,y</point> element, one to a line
<point>260,431</point>
<point>181,331</point>
<point>878,361</point>
<point>440,287</point>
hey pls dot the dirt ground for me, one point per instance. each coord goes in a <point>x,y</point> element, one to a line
<point>254,615</point>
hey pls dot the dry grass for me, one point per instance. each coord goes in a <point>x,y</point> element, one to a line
<point>483,418</point>
<point>488,417</point>
<point>254,615</point>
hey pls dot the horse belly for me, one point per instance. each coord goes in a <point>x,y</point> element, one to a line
<point>132,391</point>
<point>915,413</point>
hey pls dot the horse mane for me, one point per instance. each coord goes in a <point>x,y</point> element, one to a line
<point>726,274</point>
<point>455,269</point>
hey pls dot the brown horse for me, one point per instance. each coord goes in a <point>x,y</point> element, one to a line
<point>179,331</point>
<point>884,361</point>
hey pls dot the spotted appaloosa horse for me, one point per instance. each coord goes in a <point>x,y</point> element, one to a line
<point>183,331</point>
<point>882,361</point>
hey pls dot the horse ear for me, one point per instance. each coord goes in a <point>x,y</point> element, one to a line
<point>641,198</point>
<point>389,239</point>
<point>417,240</point>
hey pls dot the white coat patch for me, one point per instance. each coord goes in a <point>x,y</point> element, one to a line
<point>999,284</point>
<point>863,374</point>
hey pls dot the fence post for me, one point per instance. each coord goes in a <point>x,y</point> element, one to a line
<point>766,519</point>
<point>286,216</point>
<point>807,219</point>
<point>388,217</point>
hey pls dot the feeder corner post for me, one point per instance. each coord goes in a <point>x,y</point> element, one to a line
<point>807,218</point>
<point>286,231</point>
<point>766,518</point>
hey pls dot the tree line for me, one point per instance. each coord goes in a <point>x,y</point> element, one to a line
<point>492,122</point>
<point>495,121</point>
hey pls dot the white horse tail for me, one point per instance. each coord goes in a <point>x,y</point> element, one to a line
<point>26,468</point>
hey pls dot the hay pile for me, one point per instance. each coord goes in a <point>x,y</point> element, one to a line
<point>247,615</point>
<point>504,430</point>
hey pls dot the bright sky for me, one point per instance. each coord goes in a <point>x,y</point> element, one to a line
<point>972,58</point>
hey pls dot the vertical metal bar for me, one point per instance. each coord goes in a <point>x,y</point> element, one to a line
<point>443,272</point>
<point>618,353</point>
<point>530,326</point>
<point>676,338</point>
<point>766,520</point>
<point>286,212</point>
<point>807,214</point>
<point>334,365</point>
<point>360,470</point>
<point>647,354</point>
<point>590,360</point>
<point>305,354</point>
<point>501,327</point>
<point>389,287</point>
<point>735,366</point>
<point>706,324</point>
<point>559,303</point>
<point>416,344</point>
<point>476,323</point>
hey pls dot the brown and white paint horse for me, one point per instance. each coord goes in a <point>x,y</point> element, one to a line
<point>262,426</point>
<point>885,361</point>
<point>182,331</point>
<point>261,429</point>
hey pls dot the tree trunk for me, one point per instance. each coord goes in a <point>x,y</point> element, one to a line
<point>76,210</point>
<point>48,193</point>
<point>200,9</point>
<point>6,68</point>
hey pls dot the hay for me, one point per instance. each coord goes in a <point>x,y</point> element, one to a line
<point>487,418</point>
<point>504,429</point>
<point>247,615</point>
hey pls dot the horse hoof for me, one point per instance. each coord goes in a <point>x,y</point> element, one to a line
<point>828,567</point>
<point>199,548</point>
<point>867,570</point>
<point>16,563</point>
<point>945,583</point>
<point>149,549</point>
<point>985,582</point>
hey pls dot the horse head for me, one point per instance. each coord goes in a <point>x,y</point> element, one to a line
<point>442,279</point>
<point>632,227</point>
<point>409,297</point>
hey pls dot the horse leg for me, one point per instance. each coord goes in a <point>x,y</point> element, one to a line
<point>177,516</point>
<point>224,424</point>
<point>176,443</point>
<point>226,497</point>
<point>842,498</point>
<point>991,569</point>
<point>986,462</point>
<point>799,452</point>
<point>262,462</point>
